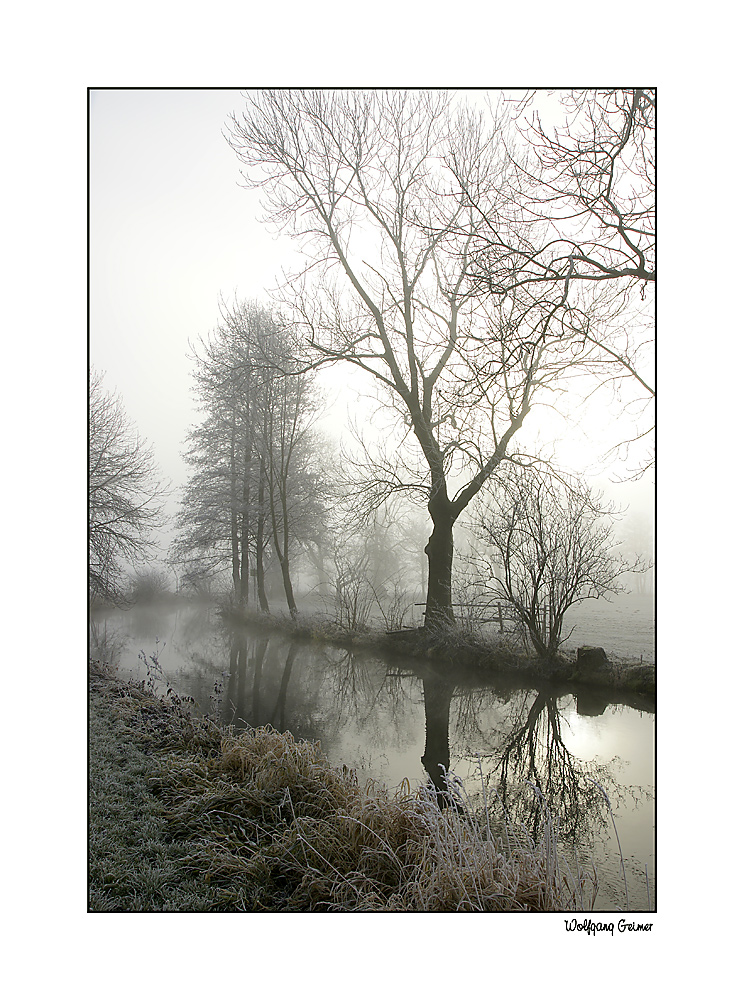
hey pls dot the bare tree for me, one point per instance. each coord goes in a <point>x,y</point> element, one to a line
<point>125,492</point>
<point>255,479</point>
<point>294,484</point>
<point>551,547</point>
<point>359,179</point>
<point>214,515</point>
<point>369,568</point>
<point>150,585</point>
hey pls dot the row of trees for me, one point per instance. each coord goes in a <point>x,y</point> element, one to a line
<point>257,484</point>
<point>256,489</point>
<point>264,490</point>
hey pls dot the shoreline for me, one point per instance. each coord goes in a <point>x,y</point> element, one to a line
<point>188,815</point>
<point>631,679</point>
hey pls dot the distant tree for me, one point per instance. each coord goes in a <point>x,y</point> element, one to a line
<point>125,493</point>
<point>220,505</point>
<point>360,178</point>
<point>637,540</point>
<point>255,482</point>
<point>294,483</point>
<point>547,547</point>
<point>148,585</point>
<point>368,566</point>
<point>196,579</point>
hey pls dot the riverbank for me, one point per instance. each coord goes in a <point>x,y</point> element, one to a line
<point>578,671</point>
<point>186,815</point>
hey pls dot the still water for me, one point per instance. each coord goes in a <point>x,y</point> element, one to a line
<point>382,718</point>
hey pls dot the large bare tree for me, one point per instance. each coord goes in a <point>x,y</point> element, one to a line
<point>361,180</point>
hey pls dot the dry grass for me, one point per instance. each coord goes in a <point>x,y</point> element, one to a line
<point>266,823</point>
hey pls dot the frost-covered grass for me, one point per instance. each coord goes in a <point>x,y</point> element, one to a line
<point>133,862</point>
<point>186,815</point>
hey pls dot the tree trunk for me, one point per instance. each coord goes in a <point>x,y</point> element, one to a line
<point>282,551</point>
<point>287,581</point>
<point>234,534</point>
<point>260,543</point>
<point>245,542</point>
<point>439,550</point>
<point>263,601</point>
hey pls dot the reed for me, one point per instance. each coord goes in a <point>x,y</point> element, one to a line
<point>280,828</point>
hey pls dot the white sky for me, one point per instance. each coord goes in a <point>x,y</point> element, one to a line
<point>172,230</point>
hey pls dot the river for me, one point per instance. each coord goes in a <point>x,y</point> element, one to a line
<point>381,719</point>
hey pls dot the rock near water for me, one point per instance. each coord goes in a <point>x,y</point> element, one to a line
<point>591,660</point>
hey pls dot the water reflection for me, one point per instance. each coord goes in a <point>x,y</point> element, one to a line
<point>243,704</point>
<point>107,641</point>
<point>438,693</point>
<point>531,752</point>
<point>386,720</point>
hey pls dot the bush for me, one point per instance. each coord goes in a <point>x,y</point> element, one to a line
<point>149,585</point>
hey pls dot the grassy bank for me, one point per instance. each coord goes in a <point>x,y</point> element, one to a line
<point>187,815</point>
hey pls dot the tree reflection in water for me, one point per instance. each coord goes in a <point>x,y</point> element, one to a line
<point>523,761</point>
<point>278,715</point>
<point>438,693</point>
<point>253,712</point>
<point>353,692</point>
<point>532,751</point>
